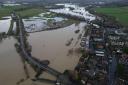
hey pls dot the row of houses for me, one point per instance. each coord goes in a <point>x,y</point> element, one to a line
<point>93,64</point>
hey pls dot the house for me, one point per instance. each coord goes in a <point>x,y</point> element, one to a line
<point>124,59</point>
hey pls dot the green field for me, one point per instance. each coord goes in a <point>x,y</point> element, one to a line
<point>22,10</point>
<point>30,12</point>
<point>120,13</point>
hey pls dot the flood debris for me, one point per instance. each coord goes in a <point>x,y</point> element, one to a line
<point>77,31</point>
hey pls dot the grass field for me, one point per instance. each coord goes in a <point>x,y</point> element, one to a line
<point>30,12</point>
<point>121,13</point>
<point>22,10</point>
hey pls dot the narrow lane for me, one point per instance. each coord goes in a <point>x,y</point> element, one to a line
<point>112,71</point>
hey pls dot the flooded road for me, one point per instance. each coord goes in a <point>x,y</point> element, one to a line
<point>50,45</point>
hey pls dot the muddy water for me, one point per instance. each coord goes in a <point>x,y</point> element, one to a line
<point>10,63</point>
<point>49,45</point>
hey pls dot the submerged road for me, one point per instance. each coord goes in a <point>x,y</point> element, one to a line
<point>62,79</point>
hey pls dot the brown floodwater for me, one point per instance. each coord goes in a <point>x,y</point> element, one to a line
<point>46,45</point>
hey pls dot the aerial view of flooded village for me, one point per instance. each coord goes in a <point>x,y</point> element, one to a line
<point>63,42</point>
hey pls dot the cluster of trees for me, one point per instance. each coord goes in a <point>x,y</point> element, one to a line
<point>2,36</point>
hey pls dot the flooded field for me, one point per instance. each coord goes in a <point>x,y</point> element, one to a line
<point>50,45</point>
<point>5,24</point>
<point>32,24</point>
